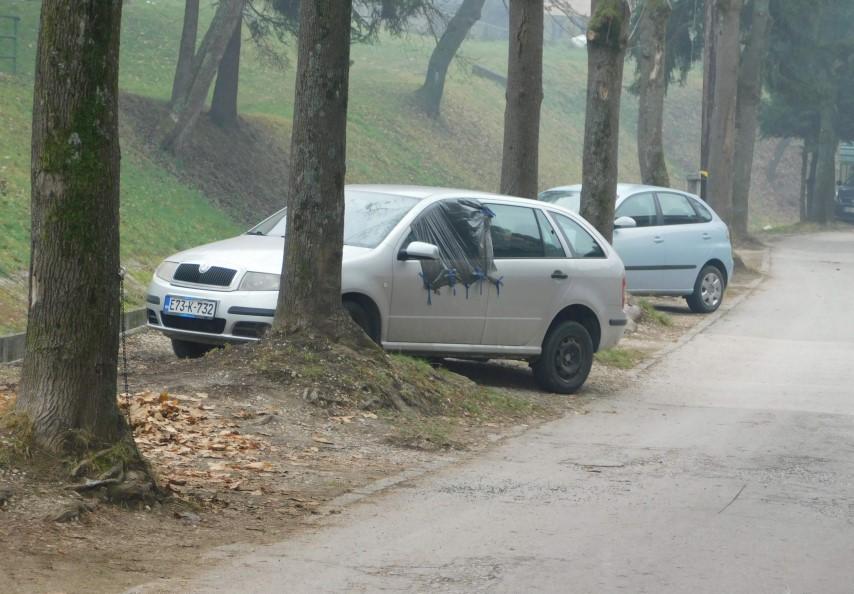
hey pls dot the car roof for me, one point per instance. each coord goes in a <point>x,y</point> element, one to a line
<point>623,190</point>
<point>432,193</point>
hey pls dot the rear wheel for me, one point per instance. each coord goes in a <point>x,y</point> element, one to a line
<point>566,359</point>
<point>708,291</point>
<point>184,349</point>
<point>364,319</point>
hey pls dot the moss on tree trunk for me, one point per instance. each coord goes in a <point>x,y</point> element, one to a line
<point>310,299</point>
<point>68,381</point>
<point>520,160</point>
<point>607,37</point>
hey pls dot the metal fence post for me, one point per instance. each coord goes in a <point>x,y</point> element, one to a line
<point>13,57</point>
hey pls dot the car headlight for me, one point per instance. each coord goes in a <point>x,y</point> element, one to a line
<point>259,281</point>
<point>166,270</point>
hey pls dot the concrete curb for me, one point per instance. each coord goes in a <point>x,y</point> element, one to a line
<point>712,319</point>
<point>13,346</point>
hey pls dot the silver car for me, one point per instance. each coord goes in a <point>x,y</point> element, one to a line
<point>427,271</point>
<point>671,242</point>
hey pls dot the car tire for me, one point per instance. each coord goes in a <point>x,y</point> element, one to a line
<point>184,349</point>
<point>566,359</point>
<point>364,319</point>
<point>708,291</point>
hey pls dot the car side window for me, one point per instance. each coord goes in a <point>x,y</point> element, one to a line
<point>551,242</point>
<point>702,211</point>
<point>676,209</point>
<point>515,232</point>
<point>582,243</point>
<point>641,207</point>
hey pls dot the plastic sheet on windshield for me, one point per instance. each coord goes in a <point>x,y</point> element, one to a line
<point>461,230</point>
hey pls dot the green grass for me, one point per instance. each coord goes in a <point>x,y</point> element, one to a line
<point>653,315</point>
<point>621,358</point>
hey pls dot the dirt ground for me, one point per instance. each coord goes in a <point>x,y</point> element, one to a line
<point>251,462</point>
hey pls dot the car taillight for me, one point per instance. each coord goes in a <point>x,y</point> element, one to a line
<point>623,292</point>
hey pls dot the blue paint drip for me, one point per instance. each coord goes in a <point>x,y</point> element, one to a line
<point>427,288</point>
<point>479,277</point>
<point>452,279</point>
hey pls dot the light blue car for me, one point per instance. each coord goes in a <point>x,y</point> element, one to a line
<point>671,242</point>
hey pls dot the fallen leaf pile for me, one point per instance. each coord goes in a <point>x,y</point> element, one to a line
<point>7,397</point>
<point>191,447</point>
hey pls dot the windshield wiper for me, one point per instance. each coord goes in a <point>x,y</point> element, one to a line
<point>255,233</point>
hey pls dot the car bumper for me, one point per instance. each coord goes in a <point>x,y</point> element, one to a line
<point>844,212</point>
<point>241,316</point>
<point>613,331</point>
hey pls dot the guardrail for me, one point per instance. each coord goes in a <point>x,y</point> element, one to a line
<point>13,346</point>
<point>13,37</point>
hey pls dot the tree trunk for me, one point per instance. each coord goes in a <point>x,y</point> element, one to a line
<point>310,299</point>
<point>652,81</point>
<point>774,163</point>
<point>68,380</point>
<point>810,208</point>
<point>825,173</point>
<point>804,172</point>
<point>520,162</point>
<point>186,51</point>
<point>709,71</point>
<point>747,114</point>
<point>430,93</point>
<point>721,138</point>
<point>224,103</point>
<point>607,37</point>
<point>185,111</point>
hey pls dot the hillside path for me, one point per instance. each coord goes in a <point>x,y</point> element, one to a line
<point>727,467</point>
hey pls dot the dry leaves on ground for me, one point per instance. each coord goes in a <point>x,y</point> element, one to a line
<point>193,448</point>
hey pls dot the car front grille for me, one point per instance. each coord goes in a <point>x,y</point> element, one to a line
<point>214,276</point>
<point>214,326</point>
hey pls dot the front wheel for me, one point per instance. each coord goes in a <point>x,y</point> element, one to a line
<point>184,349</point>
<point>566,359</point>
<point>708,291</point>
<point>365,320</point>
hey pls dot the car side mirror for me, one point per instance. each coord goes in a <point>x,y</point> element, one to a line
<point>625,223</point>
<point>419,250</point>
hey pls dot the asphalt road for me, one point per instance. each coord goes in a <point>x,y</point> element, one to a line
<point>728,467</point>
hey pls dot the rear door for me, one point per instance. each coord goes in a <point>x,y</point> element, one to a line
<point>531,271</point>
<point>641,248</point>
<point>686,239</point>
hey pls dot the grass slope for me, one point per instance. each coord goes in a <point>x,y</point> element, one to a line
<point>169,205</point>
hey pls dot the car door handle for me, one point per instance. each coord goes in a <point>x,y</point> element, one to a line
<point>706,236</point>
<point>658,239</point>
<point>560,274</point>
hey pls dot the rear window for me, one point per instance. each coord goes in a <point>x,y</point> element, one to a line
<point>677,209</point>
<point>582,243</point>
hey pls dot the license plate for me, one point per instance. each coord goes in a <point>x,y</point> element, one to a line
<point>849,209</point>
<point>189,307</point>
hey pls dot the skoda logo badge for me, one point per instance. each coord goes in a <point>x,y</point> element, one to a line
<point>203,268</point>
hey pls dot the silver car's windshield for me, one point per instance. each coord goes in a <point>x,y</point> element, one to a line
<point>368,218</point>
<point>568,199</point>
